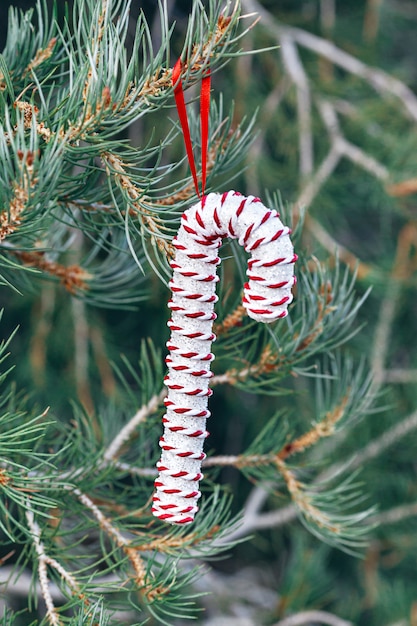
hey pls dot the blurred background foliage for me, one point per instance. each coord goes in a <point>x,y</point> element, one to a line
<point>372,214</point>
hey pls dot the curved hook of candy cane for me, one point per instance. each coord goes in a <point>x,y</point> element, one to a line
<point>267,295</point>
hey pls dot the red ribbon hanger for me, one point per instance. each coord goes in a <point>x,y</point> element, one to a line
<point>204,122</point>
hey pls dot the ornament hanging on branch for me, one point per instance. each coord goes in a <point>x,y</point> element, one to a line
<point>267,295</point>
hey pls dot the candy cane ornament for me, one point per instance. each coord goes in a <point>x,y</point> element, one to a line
<point>267,295</point>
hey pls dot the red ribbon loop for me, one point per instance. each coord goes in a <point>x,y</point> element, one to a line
<point>204,122</point>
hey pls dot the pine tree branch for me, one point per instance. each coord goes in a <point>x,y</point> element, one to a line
<point>10,219</point>
<point>323,428</point>
<point>253,520</point>
<point>137,201</point>
<point>322,174</point>
<point>268,361</point>
<point>377,78</point>
<point>374,449</point>
<point>265,117</point>
<point>361,269</point>
<point>340,147</point>
<point>43,561</point>
<point>378,445</point>
<point>404,267</point>
<point>274,519</point>
<point>112,532</point>
<point>18,584</point>
<point>42,55</point>
<point>295,69</point>
<point>147,472</point>
<point>303,501</point>
<point>93,111</point>
<point>383,330</point>
<point>114,449</point>
<point>73,277</point>
<point>232,320</point>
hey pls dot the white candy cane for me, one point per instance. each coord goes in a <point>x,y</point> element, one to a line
<point>267,295</point>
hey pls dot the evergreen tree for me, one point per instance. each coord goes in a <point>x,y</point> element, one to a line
<point>93,185</point>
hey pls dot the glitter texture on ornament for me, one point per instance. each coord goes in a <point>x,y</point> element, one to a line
<point>267,295</point>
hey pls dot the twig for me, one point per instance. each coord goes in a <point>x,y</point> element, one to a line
<point>324,428</point>
<point>274,519</point>
<point>105,524</point>
<point>387,439</point>
<point>74,278</point>
<point>231,460</point>
<point>378,79</point>
<point>347,149</point>
<point>45,559</point>
<point>365,161</point>
<point>399,376</point>
<point>374,448</point>
<point>81,354</point>
<point>18,584</point>
<point>116,535</point>
<point>136,471</point>
<point>310,617</point>
<point>339,148</point>
<point>395,515</point>
<point>266,115</point>
<point>313,186</point>
<point>332,246</point>
<point>51,612</point>
<point>253,520</point>
<point>296,71</point>
<point>383,330</point>
<point>126,432</point>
